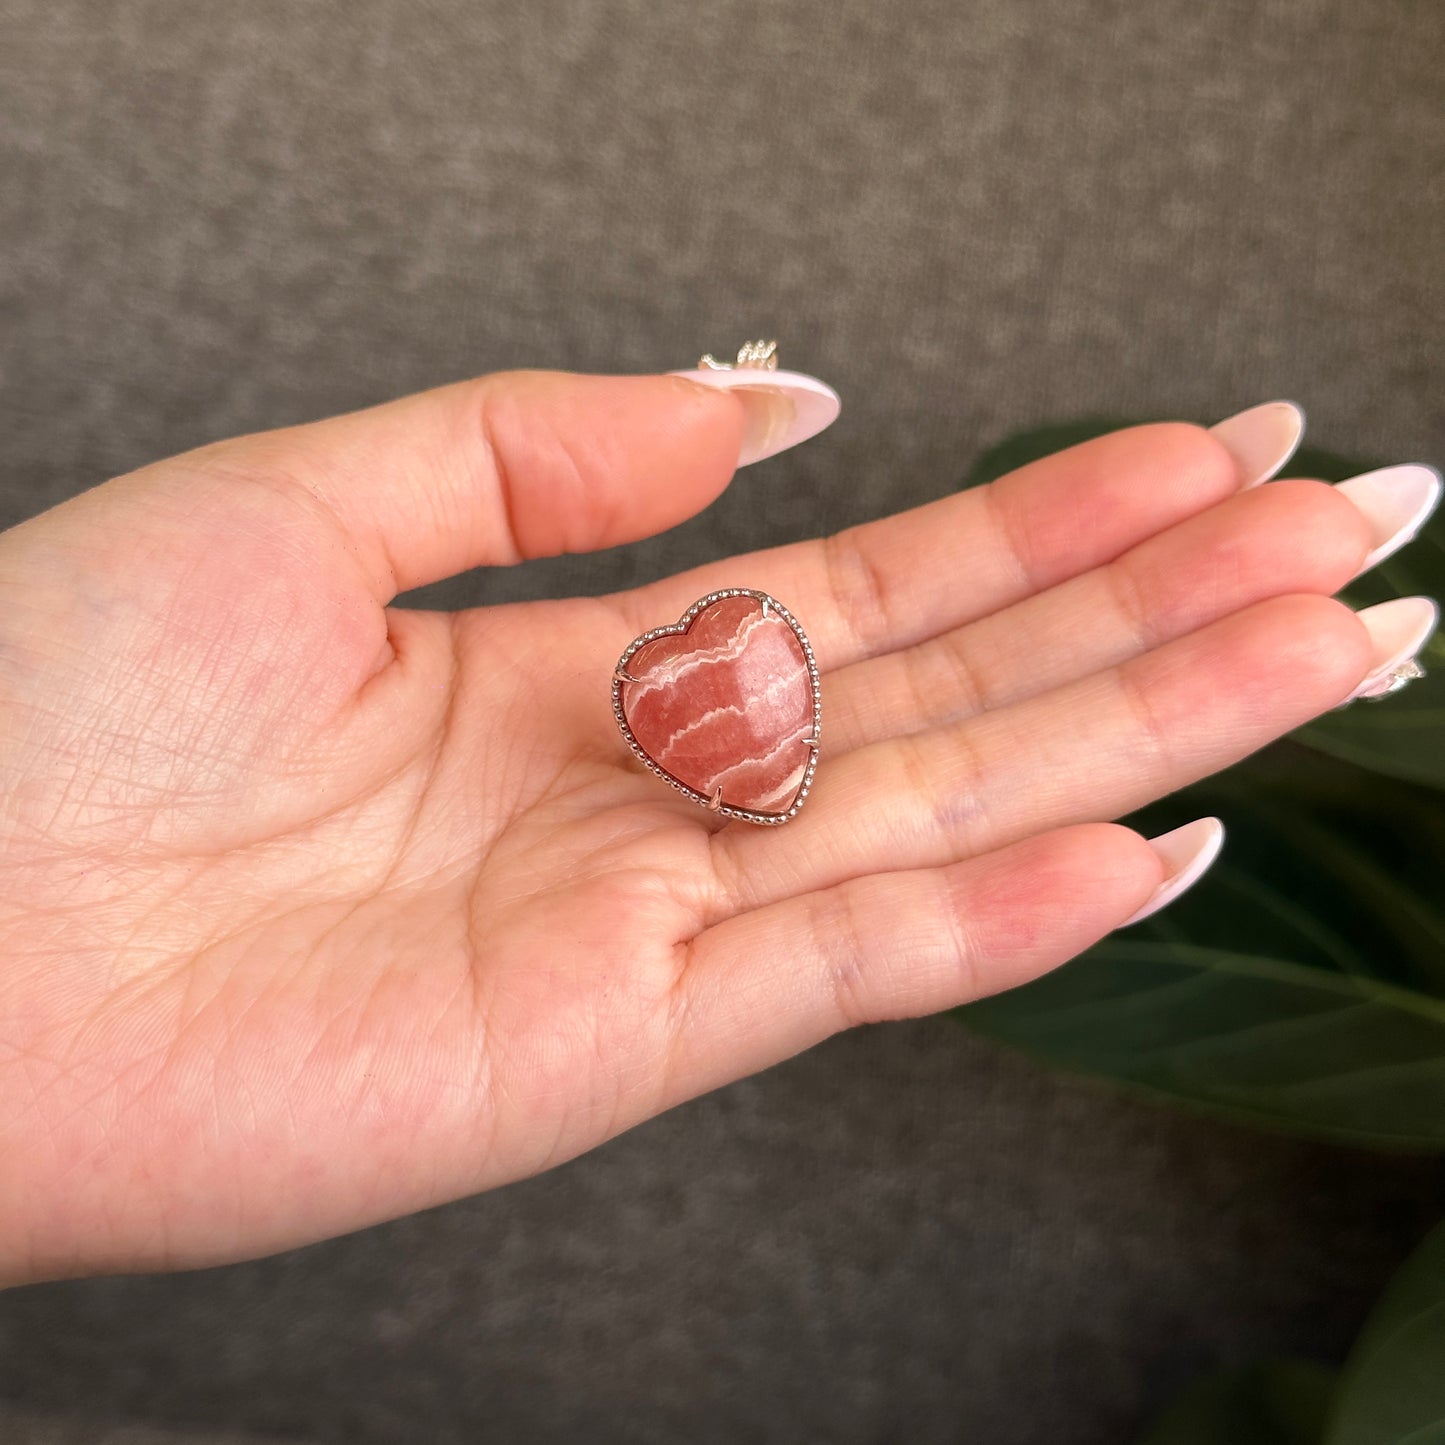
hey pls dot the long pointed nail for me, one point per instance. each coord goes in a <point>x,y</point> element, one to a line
<point>1396,502</point>
<point>1398,630</point>
<point>1186,853</point>
<point>1262,439</point>
<point>783,407</point>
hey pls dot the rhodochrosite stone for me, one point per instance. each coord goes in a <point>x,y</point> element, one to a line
<point>726,704</point>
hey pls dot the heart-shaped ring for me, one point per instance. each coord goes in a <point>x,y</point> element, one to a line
<point>724,705</point>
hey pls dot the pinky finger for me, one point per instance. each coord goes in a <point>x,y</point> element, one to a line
<point>764,985</point>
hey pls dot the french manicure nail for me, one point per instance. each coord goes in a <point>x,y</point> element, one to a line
<point>1398,630</point>
<point>1396,502</point>
<point>1186,853</point>
<point>1262,439</point>
<point>782,408</point>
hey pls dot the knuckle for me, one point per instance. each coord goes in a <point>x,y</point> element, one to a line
<point>1141,622</point>
<point>964,684</point>
<point>848,971</point>
<point>1149,736</point>
<point>1186,447</point>
<point>860,588</point>
<point>1327,531</point>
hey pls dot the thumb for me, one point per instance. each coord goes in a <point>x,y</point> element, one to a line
<point>518,464</point>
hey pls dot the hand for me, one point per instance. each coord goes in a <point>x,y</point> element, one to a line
<point>315,911</point>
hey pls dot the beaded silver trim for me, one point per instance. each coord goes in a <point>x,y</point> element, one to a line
<point>714,804</point>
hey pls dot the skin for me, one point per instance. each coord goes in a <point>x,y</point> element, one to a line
<point>315,911</point>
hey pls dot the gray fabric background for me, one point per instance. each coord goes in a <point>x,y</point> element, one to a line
<point>969,217</point>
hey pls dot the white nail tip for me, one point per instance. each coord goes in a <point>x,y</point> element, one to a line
<point>809,406</point>
<point>1398,630</point>
<point>1186,852</point>
<point>1262,439</point>
<point>1396,502</point>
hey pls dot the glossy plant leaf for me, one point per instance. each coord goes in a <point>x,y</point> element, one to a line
<point>1300,986</point>
<point>1274,1402</point>
<point>1392,1389</point>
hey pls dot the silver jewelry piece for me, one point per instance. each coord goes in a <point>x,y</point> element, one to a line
<point>752,356</point>
<point>1407,672</point>
<point>712,800</point>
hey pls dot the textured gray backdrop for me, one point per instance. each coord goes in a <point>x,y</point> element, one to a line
<point>969,217</point>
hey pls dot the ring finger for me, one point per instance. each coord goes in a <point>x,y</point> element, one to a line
<point>1090,751</point>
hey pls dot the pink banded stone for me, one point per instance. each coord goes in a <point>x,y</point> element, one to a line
<point>727,704</point>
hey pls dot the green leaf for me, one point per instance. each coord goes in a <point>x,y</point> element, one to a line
<point>1392,1390</point>
<point>1300,986</point>
<point>1274,1402</point>
<point>1259,1039</point>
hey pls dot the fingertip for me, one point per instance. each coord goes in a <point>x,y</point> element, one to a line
<point>1317,536</point>
<point>1313,651</point>
<point>596,461</point>
<point>1256,675</point>
<point>1105,865</point>
<point>1184,455</point>
<point>1051,896</point>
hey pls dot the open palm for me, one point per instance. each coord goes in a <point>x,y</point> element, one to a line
<point>315,911</point>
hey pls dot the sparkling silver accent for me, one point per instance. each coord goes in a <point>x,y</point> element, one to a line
<point>752,356</point>
<point>1407,672</point>
<point>715,804</point>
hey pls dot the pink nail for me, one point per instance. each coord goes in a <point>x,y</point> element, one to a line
<point>1398,630</point>
<point>783,407</point>
<point>1186,853</point>
<point>1262,439</point>
<point>1396,502</point>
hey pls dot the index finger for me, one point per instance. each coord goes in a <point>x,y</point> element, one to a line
<point>893,583</point>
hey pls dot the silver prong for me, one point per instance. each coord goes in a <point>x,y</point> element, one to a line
<point>622,675</point>
<point>762,355</point>
<point>752,356</point>
<point>765,606</point>
<point>1407,672</point>
<point>813,743</point>
<point>716,800</point>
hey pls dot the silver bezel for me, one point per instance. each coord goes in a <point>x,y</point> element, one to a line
<point>769,604</point>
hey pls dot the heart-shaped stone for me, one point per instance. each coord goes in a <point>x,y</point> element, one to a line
<point>724,705</point>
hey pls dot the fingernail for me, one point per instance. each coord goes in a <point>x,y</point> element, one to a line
<point>1262,439</point>
<point>782,410</point>
<point>1186,853</point>
<point>1398,630</point>
<point>1396,502</point>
